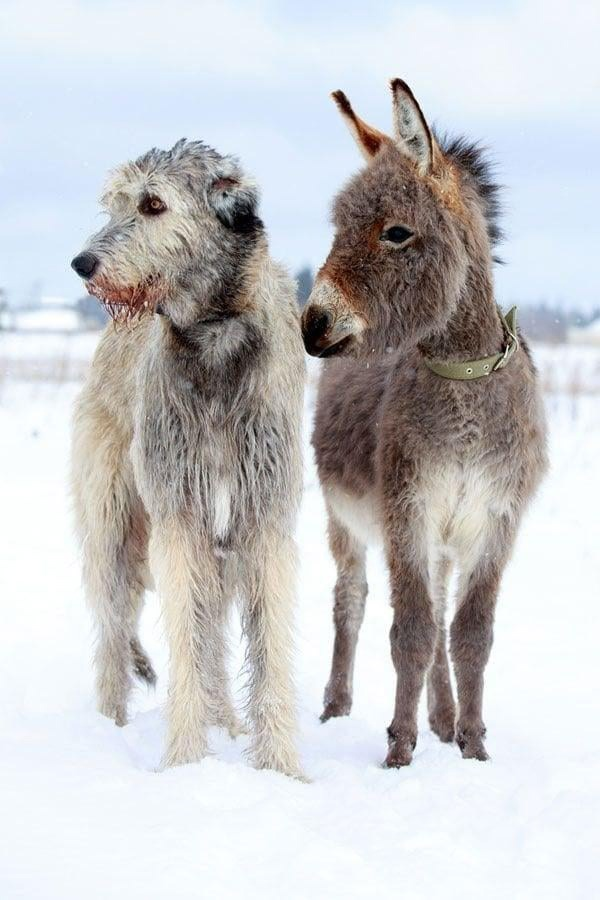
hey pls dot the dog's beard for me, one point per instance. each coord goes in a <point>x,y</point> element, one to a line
<point>127,304</point>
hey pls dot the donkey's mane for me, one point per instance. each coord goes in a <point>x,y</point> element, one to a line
<point>473,159</point>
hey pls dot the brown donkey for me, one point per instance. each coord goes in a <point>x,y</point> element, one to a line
<point>429,428</point>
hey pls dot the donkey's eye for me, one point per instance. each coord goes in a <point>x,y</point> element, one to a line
<point>152,206</point>
<point>397,234</point>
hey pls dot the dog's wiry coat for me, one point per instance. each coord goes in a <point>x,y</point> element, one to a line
<point>186,456</point>
<point>441,470</point>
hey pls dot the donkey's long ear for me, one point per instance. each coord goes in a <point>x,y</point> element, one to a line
<point>369,140</point>
<point>410,128</point>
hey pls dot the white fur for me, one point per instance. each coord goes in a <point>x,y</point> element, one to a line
<point>457,508</point>
<point>221,507</point>
<point>358,514</point>
<point>459,504</point>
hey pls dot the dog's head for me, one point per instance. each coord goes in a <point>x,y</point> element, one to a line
<point>182,223</point>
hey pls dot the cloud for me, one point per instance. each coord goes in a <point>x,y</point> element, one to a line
<point>533,58</point>
<point>88,84</point>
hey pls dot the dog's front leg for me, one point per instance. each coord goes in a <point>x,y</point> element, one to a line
<point>269,593</point>
<point>189,585</point>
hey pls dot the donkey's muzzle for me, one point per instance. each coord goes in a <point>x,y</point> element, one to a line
<point>316,324</point>
<point>321,336</point>
<point>85,264</point>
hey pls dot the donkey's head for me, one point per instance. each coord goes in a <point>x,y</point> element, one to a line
<point>408,228</point>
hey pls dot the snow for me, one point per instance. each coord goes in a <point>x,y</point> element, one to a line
<point>47,355</point>
<point>569,368</point>
<point>85,814</point>
<point>52,302</point>
<point>57,314</point>
<point>47,320</point>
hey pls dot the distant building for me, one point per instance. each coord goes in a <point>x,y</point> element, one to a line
<point>56,315</point>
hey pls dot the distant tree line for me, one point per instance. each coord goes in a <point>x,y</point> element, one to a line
<point>305,280</point>
<point>92,313</point>
<point>3,309</point>
<point>539,321</point>
<point>550,324</point>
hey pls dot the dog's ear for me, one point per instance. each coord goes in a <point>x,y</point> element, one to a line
<point>234,198</point>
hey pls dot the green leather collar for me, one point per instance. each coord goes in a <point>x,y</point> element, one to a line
<point>481,368</point>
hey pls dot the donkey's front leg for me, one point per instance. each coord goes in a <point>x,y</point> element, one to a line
<point>189,585</point>
<point>412,639</point>
<point>440,702</point>
<point>470,644</point>
<point>348,613</point>
<point>269,568</point>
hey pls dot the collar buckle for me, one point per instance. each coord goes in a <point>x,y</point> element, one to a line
<point>512,345</point>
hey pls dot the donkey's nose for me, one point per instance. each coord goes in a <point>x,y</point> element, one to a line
<point>316,322</point>
<point>85,264</point>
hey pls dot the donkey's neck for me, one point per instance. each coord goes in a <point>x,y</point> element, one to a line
<point>474,330</point>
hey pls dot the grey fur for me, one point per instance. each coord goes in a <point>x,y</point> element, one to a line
<point>186,452</point>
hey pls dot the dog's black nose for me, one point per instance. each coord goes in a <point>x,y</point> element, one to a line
<point>85,264</point>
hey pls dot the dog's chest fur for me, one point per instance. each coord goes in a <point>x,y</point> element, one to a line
<point>209,443</point>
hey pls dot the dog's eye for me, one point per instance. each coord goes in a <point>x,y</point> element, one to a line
<point>152,206</point>
<point>397,234</point>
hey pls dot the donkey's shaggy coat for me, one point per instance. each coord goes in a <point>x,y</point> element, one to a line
<point>186,446</point>
<point>440,469</point>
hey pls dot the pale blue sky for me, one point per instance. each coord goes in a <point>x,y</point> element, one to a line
<point>88,84</point>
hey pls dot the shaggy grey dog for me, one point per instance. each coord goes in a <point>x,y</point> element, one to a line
<point>186,457</point>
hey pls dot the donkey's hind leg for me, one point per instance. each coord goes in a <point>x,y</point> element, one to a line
<point>471,634</point>
<point>440,701</point>
<point>350,594</point>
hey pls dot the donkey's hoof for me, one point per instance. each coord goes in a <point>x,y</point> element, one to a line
<point>472,746</point>
<point>442,724</point>
<point>401,743</point>
<point>475,751</point>
<point>400,752</point>
<point>334,710</point>
<point>398,756</point>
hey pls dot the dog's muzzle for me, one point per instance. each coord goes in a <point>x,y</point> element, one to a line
<point>124,304</point>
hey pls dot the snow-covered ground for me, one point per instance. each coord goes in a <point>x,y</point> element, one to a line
<point>84,815</point>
